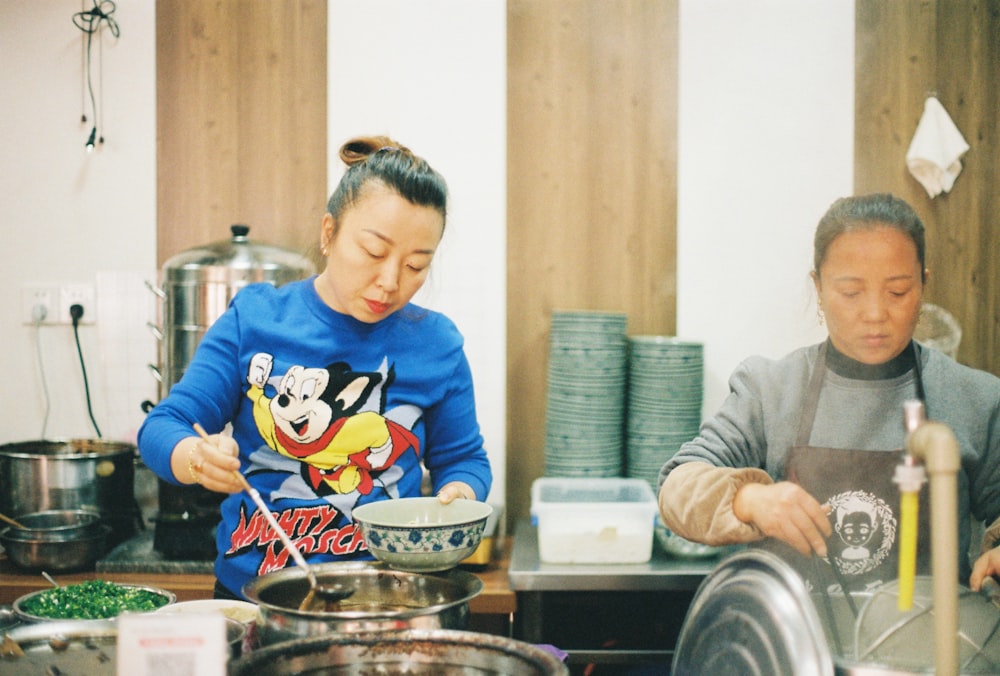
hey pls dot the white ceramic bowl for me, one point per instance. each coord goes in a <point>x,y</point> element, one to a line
<point>241,611</point>
<point>421,535</point>
<point>245,614</point>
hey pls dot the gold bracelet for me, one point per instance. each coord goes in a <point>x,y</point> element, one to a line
<point>192,469</point>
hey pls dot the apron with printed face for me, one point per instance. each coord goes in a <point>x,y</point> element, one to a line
<point>864,502</point>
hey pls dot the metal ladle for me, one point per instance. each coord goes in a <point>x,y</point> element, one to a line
<point>12,522</point>
<point>319,594</point>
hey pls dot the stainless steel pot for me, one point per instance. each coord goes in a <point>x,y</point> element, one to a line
<point>196,286</point>
<point>382,599</point>
<point>439,652</point>
<point>90,474</point>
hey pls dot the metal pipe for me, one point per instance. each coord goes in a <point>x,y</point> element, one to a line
<point>935,444</point>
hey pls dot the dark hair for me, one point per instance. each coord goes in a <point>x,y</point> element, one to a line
<point>867,212</point>
<point>380,160</point>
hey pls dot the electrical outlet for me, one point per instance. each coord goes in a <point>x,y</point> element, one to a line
<point>77,294</point>
<point>39,302</point>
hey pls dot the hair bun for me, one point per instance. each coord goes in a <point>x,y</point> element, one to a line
<point>361,148</point>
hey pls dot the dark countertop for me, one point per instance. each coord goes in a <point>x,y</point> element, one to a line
<point>138,556</point>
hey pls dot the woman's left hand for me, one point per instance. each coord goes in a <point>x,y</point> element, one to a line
<point>987,564</point>
<point>455,490</point>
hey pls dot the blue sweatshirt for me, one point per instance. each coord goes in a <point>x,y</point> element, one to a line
<point>329,413</point>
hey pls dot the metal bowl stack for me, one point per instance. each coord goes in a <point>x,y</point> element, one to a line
<point>56,540</point>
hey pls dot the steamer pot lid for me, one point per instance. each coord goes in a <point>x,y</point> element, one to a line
<point>238,252</point>
<point>752,615</point>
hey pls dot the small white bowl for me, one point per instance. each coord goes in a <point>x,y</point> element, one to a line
<point>421,535</point>
<point>241,611</point>
<point>245,614</point>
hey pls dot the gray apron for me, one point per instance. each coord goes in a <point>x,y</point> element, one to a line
<point>857,484</point>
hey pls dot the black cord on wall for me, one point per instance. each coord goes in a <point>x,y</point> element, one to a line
<point>76,312</point>
<point>89,21</point>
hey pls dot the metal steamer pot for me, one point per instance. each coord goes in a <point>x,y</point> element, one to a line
<point>71,474</point>
<point>195,289</point>
<point>196,286</point>
<point>382,599</point>
<point>754,614</point>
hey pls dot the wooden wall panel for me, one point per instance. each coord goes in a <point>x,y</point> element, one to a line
<point>241,122</point>
<point>906,51</point>
<point>592,187</point>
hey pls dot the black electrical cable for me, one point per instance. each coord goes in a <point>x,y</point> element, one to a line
<point>76,312</point>
<point>89,21</point>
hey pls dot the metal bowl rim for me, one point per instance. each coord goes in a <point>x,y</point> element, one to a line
<point>12,536</point>
<point>443,637</point>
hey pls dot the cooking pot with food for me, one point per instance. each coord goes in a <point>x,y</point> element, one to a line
<point>380,599</point>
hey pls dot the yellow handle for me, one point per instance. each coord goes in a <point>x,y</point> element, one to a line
<point>909,508</point>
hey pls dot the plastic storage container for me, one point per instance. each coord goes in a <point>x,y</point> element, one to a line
<point>593,520</point>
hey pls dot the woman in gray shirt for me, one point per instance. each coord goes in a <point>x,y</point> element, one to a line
<point>800,457</point>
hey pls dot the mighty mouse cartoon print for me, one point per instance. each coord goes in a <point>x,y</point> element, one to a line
<point>332,420</point>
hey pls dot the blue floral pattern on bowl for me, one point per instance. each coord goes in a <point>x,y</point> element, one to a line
<point>459,539</point>
<point>420,534</point>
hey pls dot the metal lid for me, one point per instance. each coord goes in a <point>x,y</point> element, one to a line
<point>237,256</point>
<point>752,615</point>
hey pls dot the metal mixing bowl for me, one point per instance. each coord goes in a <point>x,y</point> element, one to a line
<point>60,522</point>
<point>56,551</point>
<point>381,599</point>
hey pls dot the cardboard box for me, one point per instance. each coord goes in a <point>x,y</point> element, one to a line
<point>606,520</point>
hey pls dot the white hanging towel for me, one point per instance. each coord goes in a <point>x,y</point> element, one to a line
<point>936,148</point>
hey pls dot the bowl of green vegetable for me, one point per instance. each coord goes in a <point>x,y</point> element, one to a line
<point>91,600</point>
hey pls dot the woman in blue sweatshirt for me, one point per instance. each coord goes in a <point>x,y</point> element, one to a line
<point>338,389</point>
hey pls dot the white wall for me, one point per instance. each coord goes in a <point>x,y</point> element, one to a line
<point>766,133</point>
<point>432,75</point>
<point>73,217</point>
<point>766,100</point>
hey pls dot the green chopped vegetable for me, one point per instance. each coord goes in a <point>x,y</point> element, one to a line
<point>92,600</point>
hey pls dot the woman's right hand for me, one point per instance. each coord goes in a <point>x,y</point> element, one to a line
<point>785,511</point>
<point>210,464</point>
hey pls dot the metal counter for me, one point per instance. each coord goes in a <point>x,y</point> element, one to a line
<point>568,594</point>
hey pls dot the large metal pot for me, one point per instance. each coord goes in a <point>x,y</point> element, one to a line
<point>439,652</point>
<point>753,614</point>
<point>382,599</point>
<point>89,474</point>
